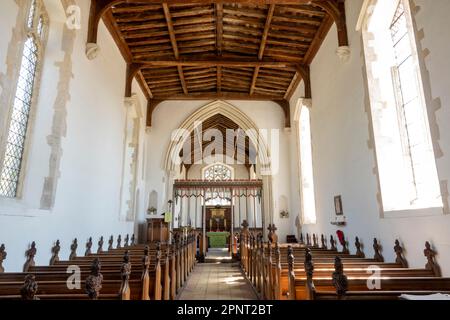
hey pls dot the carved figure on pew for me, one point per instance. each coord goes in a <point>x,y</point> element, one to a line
<point>30,253</point>
<point>431,263</point>
<point>376,247</point>
<point>291,274</point>
<point>29,288</point>
<point>119,242</point>
<point>127,239</point>
<point>3,255</point>
<point>125,272</point>
<point>309,270</point>
<point>55,253</point>
<point>94,280</point>
<point>100,245</point>
<point>309,265</point>
<point>399,254</point>
<point>323,240</point>
<point>272,236</point>
<point>340,280</point>
<point>145,274</point>
<point>88,247</point>
<point>73,250</point>
<point>133,240</point>
<point>315,244</point>
<point>333,244</point>
<point>359,252</point>
<point>110,243</point>
<point>308,240</point>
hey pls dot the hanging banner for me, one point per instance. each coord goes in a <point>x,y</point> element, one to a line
<point>168,217</point>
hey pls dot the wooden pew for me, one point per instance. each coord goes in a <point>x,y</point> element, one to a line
<point>312,287</point>
<point>151,272</point>
<point>31,289</point>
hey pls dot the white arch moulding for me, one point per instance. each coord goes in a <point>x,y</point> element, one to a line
<point>245,123</point>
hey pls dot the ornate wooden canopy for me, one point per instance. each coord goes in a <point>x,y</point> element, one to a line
<point>202,50</point>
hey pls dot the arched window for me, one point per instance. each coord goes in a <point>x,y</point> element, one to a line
<point>11,159</point>
<point>306,167</point>
<point>403,143</point>
<point>218,172</point>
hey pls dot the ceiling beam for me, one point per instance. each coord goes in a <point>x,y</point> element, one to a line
<point>335,8</point>
<point>254,80</point>
<point>266,31</point>
<point>173,40</point>
<point>219,79</point>
<point>262,46</point>
<point>318,40</point>
<point>214,62</point>
<point>157,99</point>
<point>219,27</point>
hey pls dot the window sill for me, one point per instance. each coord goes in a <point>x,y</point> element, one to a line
<point>426,212</point>
<point>16,207</point>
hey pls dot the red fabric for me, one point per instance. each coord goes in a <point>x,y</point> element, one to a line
<point>341,237</point>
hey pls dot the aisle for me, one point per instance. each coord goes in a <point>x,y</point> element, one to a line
<point>217,281</point>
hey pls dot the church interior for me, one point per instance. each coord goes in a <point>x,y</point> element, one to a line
<point>224,150</point>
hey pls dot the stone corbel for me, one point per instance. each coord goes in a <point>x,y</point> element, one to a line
<point>343,53</point>
<point>92,50</point>
<point>132,106</point>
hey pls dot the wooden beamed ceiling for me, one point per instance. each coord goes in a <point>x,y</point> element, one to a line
<point>230,138</point>
<point>240,50</point>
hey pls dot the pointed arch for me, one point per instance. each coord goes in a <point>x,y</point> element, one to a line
<point>233,113</point>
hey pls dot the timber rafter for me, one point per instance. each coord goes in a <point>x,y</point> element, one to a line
<point>243,50</point>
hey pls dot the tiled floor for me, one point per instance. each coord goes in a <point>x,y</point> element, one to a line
<point>217,281</point>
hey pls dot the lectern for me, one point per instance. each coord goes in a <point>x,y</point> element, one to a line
<point>157,230</point>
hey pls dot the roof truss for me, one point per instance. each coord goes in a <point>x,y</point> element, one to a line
<point>243,50</point>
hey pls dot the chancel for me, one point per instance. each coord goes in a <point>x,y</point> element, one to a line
<point>220,150</point>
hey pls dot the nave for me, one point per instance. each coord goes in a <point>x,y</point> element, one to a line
<point>246,149</point>
<point>219,279</point>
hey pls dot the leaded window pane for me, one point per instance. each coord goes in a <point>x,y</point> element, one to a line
<point>21,108</point>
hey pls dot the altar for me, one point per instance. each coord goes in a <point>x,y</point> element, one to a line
<point>218,239</point>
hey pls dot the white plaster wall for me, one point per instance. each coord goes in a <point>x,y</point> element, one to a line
<point>343,162</point>
<point>169,115</point>
<point>6,23</point>
<point>88,193</point>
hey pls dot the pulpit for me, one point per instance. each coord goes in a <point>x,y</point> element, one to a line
<point>157,230</point>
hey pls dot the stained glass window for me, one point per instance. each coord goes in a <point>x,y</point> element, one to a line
<point>22,103</point>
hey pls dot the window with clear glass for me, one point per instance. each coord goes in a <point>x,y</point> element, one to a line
<point>14,146</point>
<point>306,168</point>
<point>405,157</point>
<point>218,172</point>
